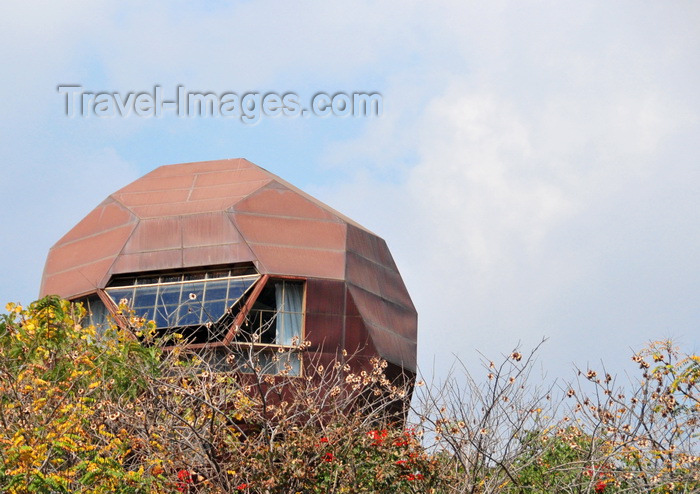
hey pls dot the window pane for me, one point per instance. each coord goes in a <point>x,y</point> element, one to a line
<point>238,287</point>
<point>190,304</point>
<point>189,314</point>
<point>162,319</point>
<point>213,311</point>
<point>193,291</point>
<point>183,303</point>
<point>145,297</point>
<point>169,296</point>
<point>145,312</point>
<point>120,293</point>
<point>216,290</point>
<point>168,302</point>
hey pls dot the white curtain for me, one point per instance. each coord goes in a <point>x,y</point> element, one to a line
<point>289,298</point>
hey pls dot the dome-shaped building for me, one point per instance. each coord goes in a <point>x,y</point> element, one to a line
<point>223,250</point>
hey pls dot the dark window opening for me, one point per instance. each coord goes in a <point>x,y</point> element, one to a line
<point>276,317</point>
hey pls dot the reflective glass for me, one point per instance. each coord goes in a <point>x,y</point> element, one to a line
<point>183,303</point>
<point>120,294</point>
<point>169,296</point>
<point>216,290</point>
<point>145,312</point>
<point>213,311</point>
<point>161,319</point>
<point>189,314</point>
<point>145,297</point>
<point>238,287</point>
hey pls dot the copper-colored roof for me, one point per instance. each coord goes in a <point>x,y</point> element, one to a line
<point>226,212</point>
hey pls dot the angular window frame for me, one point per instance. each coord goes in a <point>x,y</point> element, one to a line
<point>231,338</point>
<point>181,302</point>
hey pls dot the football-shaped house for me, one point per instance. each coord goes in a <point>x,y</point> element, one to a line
<point>229,254</point>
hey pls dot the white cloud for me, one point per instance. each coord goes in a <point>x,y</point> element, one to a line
<point>528,212</point>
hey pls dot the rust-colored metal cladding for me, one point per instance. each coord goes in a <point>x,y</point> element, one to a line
<point>218,217</point>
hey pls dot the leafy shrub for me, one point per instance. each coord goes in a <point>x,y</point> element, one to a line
<point>127,411</point>
<point>57,380</point>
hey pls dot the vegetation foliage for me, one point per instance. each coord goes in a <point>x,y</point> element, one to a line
<point>124,410</point>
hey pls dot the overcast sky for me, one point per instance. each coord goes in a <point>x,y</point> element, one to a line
<point>535,170</point>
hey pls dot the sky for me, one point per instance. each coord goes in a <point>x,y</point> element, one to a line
<point>534,170</point>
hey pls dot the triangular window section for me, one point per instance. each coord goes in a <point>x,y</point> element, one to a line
<point>200,306</point>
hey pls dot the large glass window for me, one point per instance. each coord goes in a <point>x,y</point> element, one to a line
<point>219,313</point>
<point>183,300</point>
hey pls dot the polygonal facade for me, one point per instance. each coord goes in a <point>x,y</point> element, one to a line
<point>199,227</point>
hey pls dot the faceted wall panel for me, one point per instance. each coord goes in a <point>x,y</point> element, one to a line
<point>325,296</point>
<point>278,201</point>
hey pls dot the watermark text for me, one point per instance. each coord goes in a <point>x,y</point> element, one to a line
<point>249,107</point>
